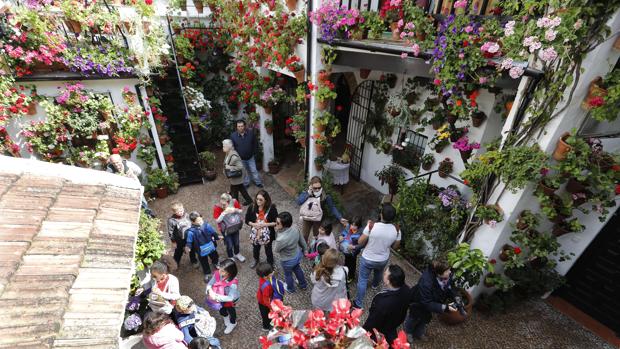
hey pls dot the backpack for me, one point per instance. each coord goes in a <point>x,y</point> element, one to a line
<point>311,209</point>
<point>219,287</point>
<point>204,323</point>
<point>231,223</point>
<point>277,286</point>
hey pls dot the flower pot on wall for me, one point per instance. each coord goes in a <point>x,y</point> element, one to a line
<point>300,75</point>
<point>32,108</point>
<point>364,73</point>
<point>594,90</point>
<point>395,32</point>
<point>320,127</point>
<point>199,6</point>
<point>267,109</point>
<point>74,26</point>
<point>562,148</point>
<point>319,149</point>
<point>503,255</point>
<point>322,105</point>
<point>291,5</point>
<point>269,130</point>
<point>477,119</point>
<point>318,166</point>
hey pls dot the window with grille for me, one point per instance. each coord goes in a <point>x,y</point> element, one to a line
<point>410,149</point>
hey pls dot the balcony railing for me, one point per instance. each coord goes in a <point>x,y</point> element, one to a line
<point>432,7</point>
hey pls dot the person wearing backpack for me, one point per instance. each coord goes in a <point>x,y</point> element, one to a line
<point>194,321</point>
<point>330,281</point>
<point>223,292</point>
<point>269,288</point>
<point>228,218</point>
<point>177,226</point>
<point>201,237</point>
<point>261,216</point>
<point>313,204</point>
<point>290,245</point>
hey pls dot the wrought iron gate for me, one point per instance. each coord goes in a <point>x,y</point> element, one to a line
<point>360,107</point>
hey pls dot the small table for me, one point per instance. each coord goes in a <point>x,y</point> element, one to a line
<point>339,172</point>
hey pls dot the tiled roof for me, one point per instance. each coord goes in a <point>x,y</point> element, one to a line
<point>67,239</point>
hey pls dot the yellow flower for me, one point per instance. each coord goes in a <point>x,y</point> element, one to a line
<point>444,135</point>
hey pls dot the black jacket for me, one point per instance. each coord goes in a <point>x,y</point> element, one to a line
<point>388,311</point>
<point>177,227</point>
<point>251,215</point>
<point>427,296</point>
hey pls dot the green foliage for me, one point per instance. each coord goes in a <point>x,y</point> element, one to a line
<point>610,109</point>
<point>577,160</point>
<point>207,159</point>
<point>149,246</point>
<point>467,265</point>
<point>489,213</point>
<point>184,47</point>
<point>373,24</point>
<point>390,174</point>
<point>500,281</point>
<point>157,178</point>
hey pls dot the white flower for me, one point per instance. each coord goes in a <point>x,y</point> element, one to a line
<point>516,72</point>
<point>506,64</point>
<point>550,34</point>
<point>548,54</point>
<point>509,28</point>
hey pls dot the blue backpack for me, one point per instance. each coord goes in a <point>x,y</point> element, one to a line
<point>277,286</point>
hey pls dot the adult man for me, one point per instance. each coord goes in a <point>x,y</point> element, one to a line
<point>389,307</point>
<point>245,143</point>
<point>126,168</point>
<point>377,238</point>
<point>428,296</point>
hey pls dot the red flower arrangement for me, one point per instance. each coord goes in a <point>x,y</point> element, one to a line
<point>125,145</point>
<point>517,250</point>
<point>596,102</point>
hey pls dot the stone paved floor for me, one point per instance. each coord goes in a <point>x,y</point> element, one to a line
<point>535,325</point>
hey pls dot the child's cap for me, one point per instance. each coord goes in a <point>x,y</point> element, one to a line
<point>184,303</point>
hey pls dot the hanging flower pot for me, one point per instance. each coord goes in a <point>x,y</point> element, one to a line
<point>319,148</point>
<point>504,256</point>
<point>74,26</point>
<point>465,155</point>
<point>364,73</point>
<point>291,5</point>
<point>32,108</point>
<point>300,75</point>
<point>320,127</point>
<point>477,118</point>
<point>452,118</point>
<point>199,6</point>
<point>322,105</point>
<point>318,165</point>
<point>562,148</point>
<point>574,186</point>
<point>395,32</point>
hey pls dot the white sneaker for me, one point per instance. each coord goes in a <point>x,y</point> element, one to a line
<point>240,258</point>
<point>229,328</point>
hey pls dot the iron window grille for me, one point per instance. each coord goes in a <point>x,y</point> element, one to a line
<point>409,149</point>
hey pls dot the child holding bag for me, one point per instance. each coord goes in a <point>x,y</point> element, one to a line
<point>163,291</point>
<point>348,245</point>
<point>223,291</point>
<point>201,238</point>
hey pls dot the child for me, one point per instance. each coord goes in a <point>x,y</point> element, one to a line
<point>269,288</point>
<point>163,290</point>
<point>223,292</point>
<point>160,333</point>
<point>178,224</point>
<point>202,343</point>
<point>330,281</point>
<point>317,250</point>
<point>348,245</point>
<point>325,234</point>
<point>201,238</point>
<point>228,206</point>
<point>194,321</point>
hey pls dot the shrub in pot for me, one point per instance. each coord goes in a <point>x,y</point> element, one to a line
<point>445,167</point>
<point>390,174</point>
<point>427,161</point>
<point>490,214</point>
<point>207,162</point>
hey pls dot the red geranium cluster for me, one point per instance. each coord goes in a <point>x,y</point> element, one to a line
<point>331,330</point>
<point>596,102</point>
<point>125,145</point>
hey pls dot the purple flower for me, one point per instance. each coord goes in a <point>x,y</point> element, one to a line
<point>132,322</point>
<point>133,304</point>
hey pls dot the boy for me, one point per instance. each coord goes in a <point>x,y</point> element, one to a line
<point>269,288</point>
<point>177,232</point>
<point>201,239</point>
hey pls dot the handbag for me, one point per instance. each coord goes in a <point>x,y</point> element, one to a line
<point>207,249</point>
<point>231,223</point>
<point>260,236</point>
<point>232,173</point>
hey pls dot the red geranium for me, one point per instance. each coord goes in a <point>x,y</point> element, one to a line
<point>517,250</point>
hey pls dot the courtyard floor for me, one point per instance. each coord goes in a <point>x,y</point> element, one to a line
<point>535,325</point>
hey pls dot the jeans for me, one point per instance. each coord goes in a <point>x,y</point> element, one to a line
<point>204,261</point>
<point>229,311</point>
<point>291,267</point>
<point>180,249</point>
<point>239,188</point>
<point>415,325</point>
<point>268,252</point>
<point>232,244</point>
<point>366,267</point>
<point>264,314</point>
<point>250,170</point>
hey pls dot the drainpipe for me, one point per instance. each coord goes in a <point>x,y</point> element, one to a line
<point>309,61</point>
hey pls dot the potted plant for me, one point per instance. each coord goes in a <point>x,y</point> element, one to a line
<point>158,181</point>
<point>294,64</point>
<point>477,118</point>
<point>570,226</point>
<point>274,166</point>
<point>607,106</point>
<point>527,220</point>
<point>445,167</point>
<point>319,162</point>
<point>322,120</point>
<point>207,163</point>
<point>468,265</point>
<point>490,214</point>
<point>465,147</point>
<point>392,12</point>
<point>596,94</point>
<point>427,161</point>
<point>390,174</point>
<point>390,79</point>
<point>320,143</point>
<point>441,139</point>
<point>548,183</point>
<point>269,126</point>
<point>499,281</point>
<point>324,93</point>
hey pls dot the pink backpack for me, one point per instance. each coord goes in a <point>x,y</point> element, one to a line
<point>219,287</point>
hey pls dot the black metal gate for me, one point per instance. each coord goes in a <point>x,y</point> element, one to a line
<point>360,107</point>
<point>593,282</point>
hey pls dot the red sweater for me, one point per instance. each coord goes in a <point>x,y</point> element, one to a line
<point>217,210</point>
<point>264,295</point>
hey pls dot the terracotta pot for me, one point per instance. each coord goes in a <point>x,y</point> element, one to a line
<point>451,118</point>
<point>32,108</point>
<point>562,148</point>
<point>508,106</point>
<point>162,192</point>
<point>594,90</point>
<point>465,155</point>
<point>300,76</point>
<point>268,110</point>
<point>150,91</point>
<point>559,230</point>
<point>199,6</point>
<point>420,36</point>
<point>302,142</point>
<point>320,128</point>
<point>159,127</point>
<point>322,105</point>
<point>163,140</point>
<point>574,186</point>
<point>319,149</point>
<point>427,167</point>
<point>274,168</point>
<point>436,125</point>
<point>497,209</point>
<point>503,256</point>
<point>520,225</point>
<point>291,5</point>
<point>617,43</point>
<point>455,317</point>
<point>364,73</point>
<point>477,119</point>
<point>74,26</point>
<point>549,191</point>
<point>395,32</point>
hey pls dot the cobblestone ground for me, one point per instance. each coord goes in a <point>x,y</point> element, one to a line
<point>535,325</point>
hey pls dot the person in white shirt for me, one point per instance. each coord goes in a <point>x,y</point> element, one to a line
<point>377,238</point>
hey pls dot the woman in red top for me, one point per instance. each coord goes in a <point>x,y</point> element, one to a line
<point>228,205</point>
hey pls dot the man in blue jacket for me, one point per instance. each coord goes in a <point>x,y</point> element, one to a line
<point>201,238</point>
<point>429,296</point>
<point>245,143</point>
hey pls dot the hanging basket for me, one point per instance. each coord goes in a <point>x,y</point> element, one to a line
<point>74,26</point>
<point>562,148</point>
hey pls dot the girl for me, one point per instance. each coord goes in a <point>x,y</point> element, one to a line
<point>348,245</point>
<point>228,206</point>
<point>261,216</point>
<point>325,234</point>
<point>164,288</point>
<point>330,281</point>
<point>223,292</point>
<point>161,333</point>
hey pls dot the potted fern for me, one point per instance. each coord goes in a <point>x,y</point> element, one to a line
<point>207,162</point>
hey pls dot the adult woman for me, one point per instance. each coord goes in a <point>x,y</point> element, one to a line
<point>330,281</point>
<point>161,333</point>
<point>261,216</point>
<point>311,214</point>
<point>290,245</point>
<point>234,171</point>
<point>228,206</point>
